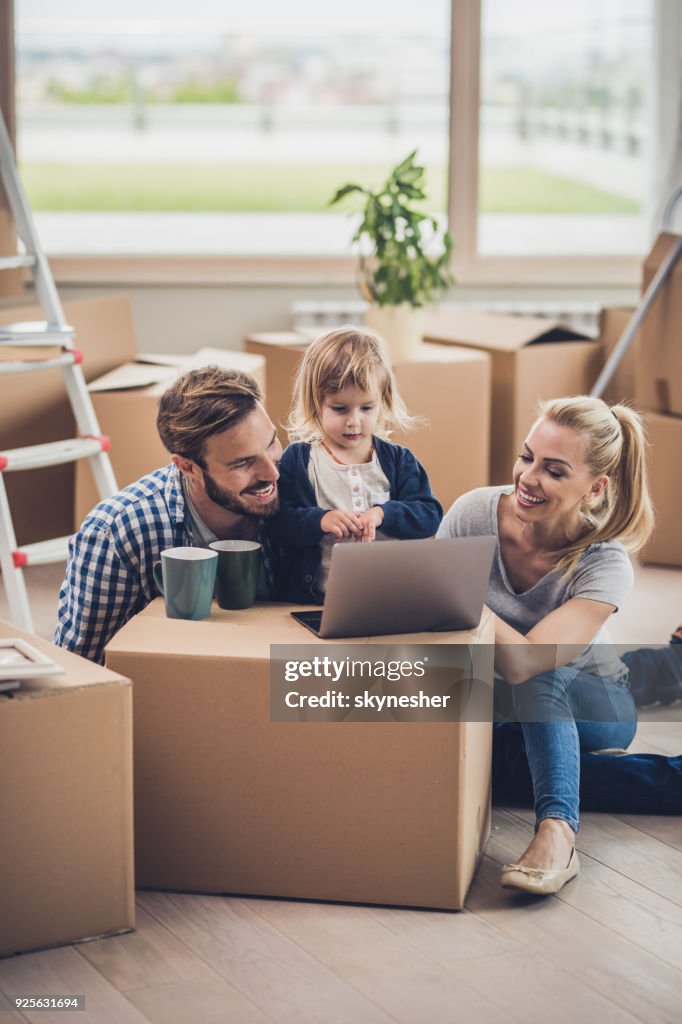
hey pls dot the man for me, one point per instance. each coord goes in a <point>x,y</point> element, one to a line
<point>221,484</point>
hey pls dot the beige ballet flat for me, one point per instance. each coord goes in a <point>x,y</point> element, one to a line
<point>541,881</point>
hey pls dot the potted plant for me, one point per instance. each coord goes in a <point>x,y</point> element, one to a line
<point>404,256</point>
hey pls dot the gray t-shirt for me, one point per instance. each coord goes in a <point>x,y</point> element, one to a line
<point>604,573</point>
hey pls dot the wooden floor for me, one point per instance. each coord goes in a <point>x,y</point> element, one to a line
<point>608,948</point>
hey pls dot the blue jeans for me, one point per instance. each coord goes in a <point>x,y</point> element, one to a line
<point>544,754</point>
<point>655,673</point>
<point>562,714</point>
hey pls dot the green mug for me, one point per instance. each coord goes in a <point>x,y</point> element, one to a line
<point>238,572</point>
<point>186,578</point>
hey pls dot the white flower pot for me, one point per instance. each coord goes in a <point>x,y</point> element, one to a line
<point>402,326</point>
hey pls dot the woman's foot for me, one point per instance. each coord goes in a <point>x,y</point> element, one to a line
<point>551,847</point>
<point>549,862</point>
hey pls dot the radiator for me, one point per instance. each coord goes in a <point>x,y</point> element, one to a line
<point>580,315</point>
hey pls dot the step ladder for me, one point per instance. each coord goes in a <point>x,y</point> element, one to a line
<point>54,334</point>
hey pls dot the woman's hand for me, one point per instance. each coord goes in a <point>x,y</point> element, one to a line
<point>370,522</point>
<point>341,523</point>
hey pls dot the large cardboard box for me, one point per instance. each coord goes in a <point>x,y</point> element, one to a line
<point>532,359</point>
<point>665,455</point>
<point>449,388</point>
<point>227,801</point>
<point>34,409</point>
<point>66,842</point>
<point>613,323</point>
<point>658,354</point>
<point>125,403</point>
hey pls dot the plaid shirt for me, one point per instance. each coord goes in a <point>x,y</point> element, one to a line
<point>109,573</point>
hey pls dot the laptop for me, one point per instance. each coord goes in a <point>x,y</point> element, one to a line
<point>403,586</point>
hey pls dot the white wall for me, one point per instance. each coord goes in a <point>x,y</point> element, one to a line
<point>181,319</point>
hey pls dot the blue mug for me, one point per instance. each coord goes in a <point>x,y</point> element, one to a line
<point>186,578</point>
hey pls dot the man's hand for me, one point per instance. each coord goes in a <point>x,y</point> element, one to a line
<point>341,523</point>
<point>370,521</point>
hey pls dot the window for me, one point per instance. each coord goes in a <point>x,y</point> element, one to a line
<point>551,152</point>
<point>563,139</point>
<point>142,130</point>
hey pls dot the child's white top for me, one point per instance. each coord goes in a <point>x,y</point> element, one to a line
<point>352,488</point>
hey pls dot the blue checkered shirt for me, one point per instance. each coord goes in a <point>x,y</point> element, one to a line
<point>109,573</point>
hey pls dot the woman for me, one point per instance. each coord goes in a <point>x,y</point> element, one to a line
<point>578,504</point>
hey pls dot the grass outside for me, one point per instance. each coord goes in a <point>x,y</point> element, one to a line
<point>296,188</point>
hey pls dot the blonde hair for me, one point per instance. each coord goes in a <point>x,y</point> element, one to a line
<point>615,447</point>
<point>346,356</point>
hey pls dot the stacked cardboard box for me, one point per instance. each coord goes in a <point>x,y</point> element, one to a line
<point>227,800</point>
<point>658,392</point>
<point>613,322</point>
<point>66,841</point>
<point>449,388</point>
<point>125,403</point>
<point>532,359</point>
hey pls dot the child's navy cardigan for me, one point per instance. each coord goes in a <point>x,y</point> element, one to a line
<point>411,513</point>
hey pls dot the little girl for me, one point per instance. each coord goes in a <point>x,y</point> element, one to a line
<point>342,479</point>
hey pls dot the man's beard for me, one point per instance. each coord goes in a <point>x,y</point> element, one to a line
<point>235,503</point>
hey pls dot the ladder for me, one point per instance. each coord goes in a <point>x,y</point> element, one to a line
<point>54,334</point>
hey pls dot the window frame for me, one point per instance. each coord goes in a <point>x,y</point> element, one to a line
<point>470,267</point>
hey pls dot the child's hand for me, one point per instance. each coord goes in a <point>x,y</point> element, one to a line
<point>341,523</point>
<point>370,521</point>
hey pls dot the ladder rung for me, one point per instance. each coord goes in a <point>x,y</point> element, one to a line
<point>55,453</point>
<point>37,365</point>
<point>45,552</point>
<point>35,332</point>
<point>16,262</point>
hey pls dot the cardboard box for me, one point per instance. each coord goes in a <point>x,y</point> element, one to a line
<point>227,801</point>
<point>613,323</point>
<point>448,387</point>
<point>125,403</point>
<point>532,359</point>
<point>34,409</point>
<point>282,351</point>
<point>66,841</point>
<point>658,357</point>
<point>665,438</point>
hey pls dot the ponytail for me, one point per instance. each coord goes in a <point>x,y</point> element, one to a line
<point>616,447</point>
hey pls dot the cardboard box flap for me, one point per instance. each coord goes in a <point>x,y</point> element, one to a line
<point>161,359</point>
<point>148,371</point>
<point>499,332</point>
<point>132,375</point>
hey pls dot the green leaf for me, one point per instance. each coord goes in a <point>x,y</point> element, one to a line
<point>345,191</point>
<point>394,265</point>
